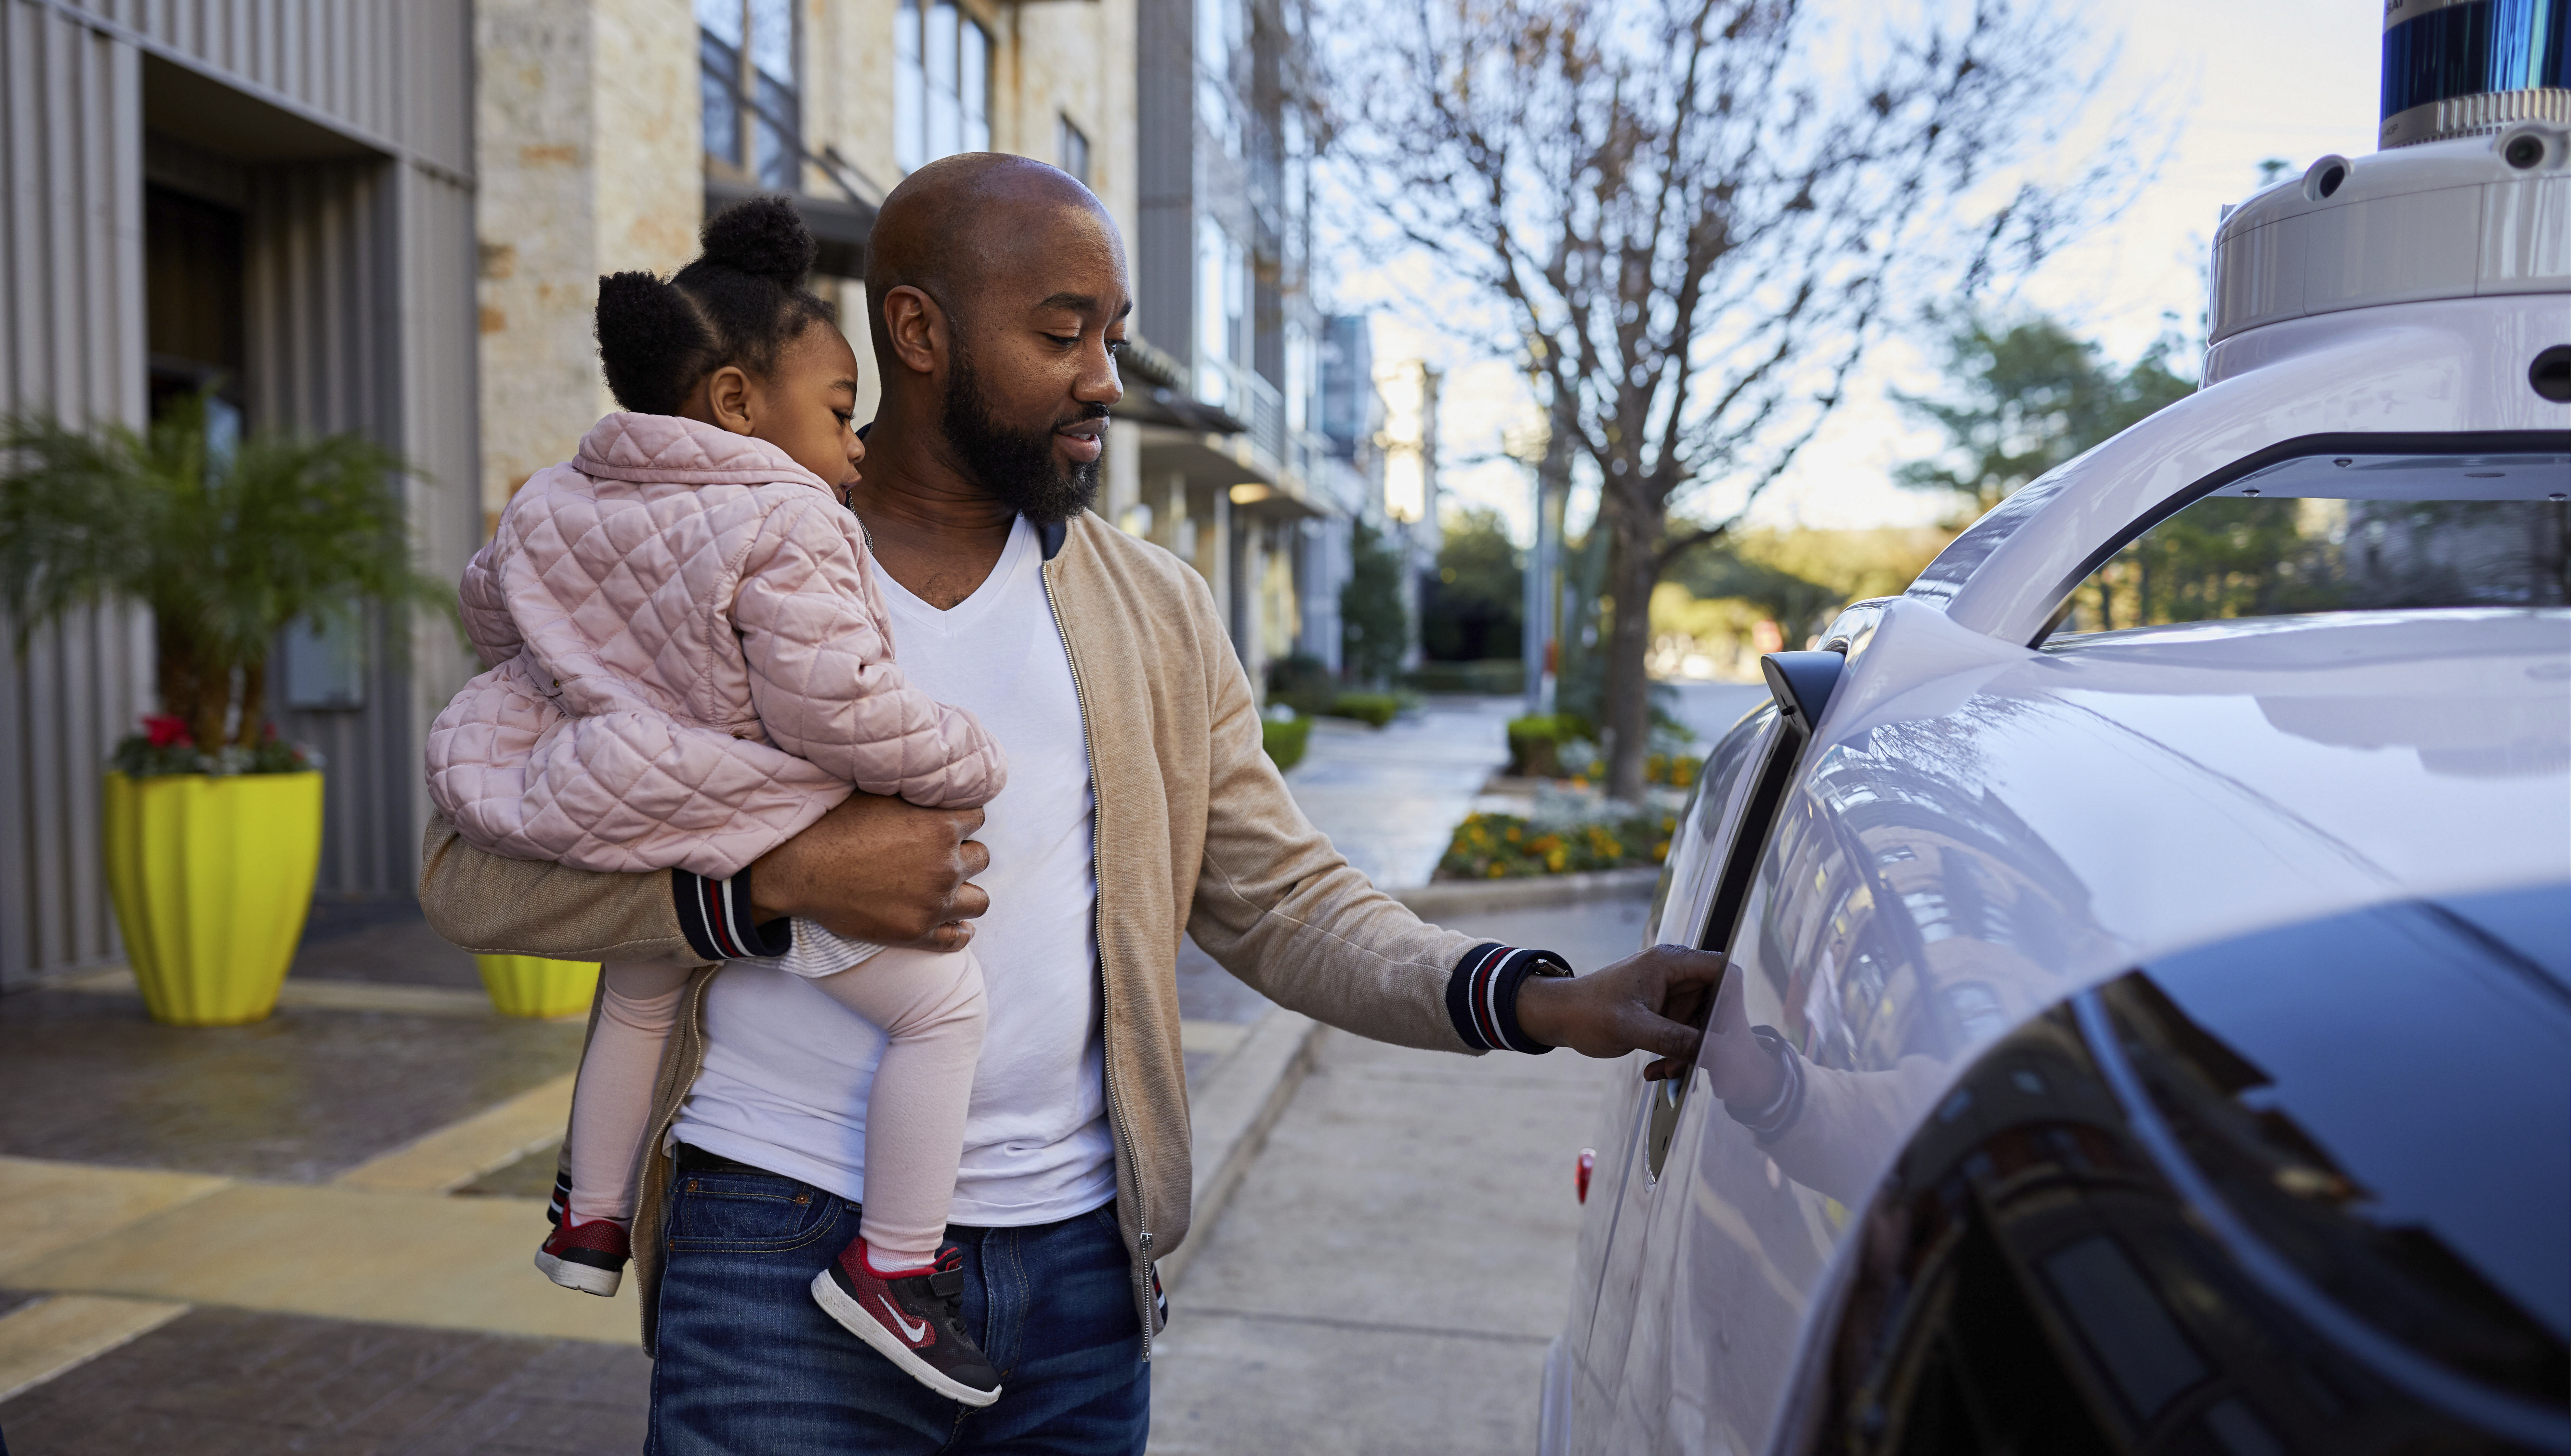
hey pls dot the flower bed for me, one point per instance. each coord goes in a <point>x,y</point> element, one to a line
<point>1509,847</point>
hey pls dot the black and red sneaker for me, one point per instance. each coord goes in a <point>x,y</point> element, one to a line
<point>914,1317</point>
<point>586,1255</point>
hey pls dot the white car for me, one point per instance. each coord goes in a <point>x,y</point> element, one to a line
<point>2155,1038</point>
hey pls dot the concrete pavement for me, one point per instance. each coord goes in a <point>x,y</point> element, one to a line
<point>175,1198</point>
<point>1389,797</point>
<point>1388,1275</point>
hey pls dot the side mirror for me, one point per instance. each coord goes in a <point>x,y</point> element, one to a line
<point>1802,684</point>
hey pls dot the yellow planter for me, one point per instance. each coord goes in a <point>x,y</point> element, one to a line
<point>211,878</point>
<point>527,985</point>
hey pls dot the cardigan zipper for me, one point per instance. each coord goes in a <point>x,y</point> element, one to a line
<point>1131,1168</point>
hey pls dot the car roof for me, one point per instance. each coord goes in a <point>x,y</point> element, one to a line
<point>2188,783</point>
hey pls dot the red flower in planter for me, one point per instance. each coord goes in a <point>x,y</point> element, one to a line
<point>166,733</point>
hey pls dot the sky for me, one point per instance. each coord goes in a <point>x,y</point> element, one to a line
<point>2228,83</point>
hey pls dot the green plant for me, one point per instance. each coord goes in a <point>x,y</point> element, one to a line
<point>224,545</point>
<point>1506,847</point>
<point>1285,739</point>
<point>1473,607</point>
<point>2025,397</point>
<point>1371,708</point>
<point>1302,683</point>
<point>1374,627</point>
<point>1536,739</point>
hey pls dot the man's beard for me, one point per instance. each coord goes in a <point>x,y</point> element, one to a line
<point>1016,466</point>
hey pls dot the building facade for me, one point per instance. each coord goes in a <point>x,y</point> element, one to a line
<point>1246,487</point>
<point>391,217</point>
<point>607,130</point>
<point>277,204</point>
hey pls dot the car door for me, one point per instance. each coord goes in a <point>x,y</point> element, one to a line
<point>1744,781</point>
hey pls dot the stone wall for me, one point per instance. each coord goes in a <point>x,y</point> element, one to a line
<point>589,153</point>
<point>589,162</point>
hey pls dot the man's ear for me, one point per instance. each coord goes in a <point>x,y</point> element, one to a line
<point>728,398</point>
<point>918,328</point>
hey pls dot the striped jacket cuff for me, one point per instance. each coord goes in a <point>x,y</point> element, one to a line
<point>715,915</point>
<point>1482,995</point>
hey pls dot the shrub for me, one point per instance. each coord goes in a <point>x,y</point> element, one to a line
<point>1374,627</point>
<point>1536,742</point>
<point>1300,682</point>
<point>1507,847</point>
<point>1372,708</point>
<point>1286,740</point>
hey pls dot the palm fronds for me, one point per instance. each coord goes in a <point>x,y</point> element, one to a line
<point>226,547</point>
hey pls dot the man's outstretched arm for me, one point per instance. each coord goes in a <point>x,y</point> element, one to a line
<point>874,869</point>
<point>1280,908</point>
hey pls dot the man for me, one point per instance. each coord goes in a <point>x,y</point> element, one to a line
<point>1140,805</point>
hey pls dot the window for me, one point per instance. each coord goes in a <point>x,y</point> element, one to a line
<point>1218,37</point>
<point>1737,799</point>
<point>941,84</point>
<point>1223,310</point>
<point>753,111</point>
<point>2346,532</point>
<point>1073,149</point>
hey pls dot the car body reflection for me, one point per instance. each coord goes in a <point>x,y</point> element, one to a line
<point>2164,1243</point>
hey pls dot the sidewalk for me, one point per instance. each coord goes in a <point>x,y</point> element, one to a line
<point>1390,1272</point>
<point>313,1233</point>
<point>1389,797</point>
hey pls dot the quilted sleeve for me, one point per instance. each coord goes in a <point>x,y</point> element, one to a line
<point>823,677</point>
<point>620,792</point>
<point>487,623</point>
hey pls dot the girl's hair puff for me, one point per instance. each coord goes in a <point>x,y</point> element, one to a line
<point>741,301</point>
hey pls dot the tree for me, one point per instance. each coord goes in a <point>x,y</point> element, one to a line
<point>1693,216</point>
<point>2026,400</point>
<point>1374,629</point>
<point>1474,608</point>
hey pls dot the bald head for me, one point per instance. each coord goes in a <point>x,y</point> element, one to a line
<point>964,225</point>
<point>998,298</point>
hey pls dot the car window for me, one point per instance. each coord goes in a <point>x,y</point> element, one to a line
<point>1762,761</point>
<point>2343,533</point>
<point>1713,814</point>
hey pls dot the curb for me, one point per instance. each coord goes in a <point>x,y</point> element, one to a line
<point>1229,1118</point>
<point>1447,898</point>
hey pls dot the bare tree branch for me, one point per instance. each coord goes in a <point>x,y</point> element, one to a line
<point>1697,214</point>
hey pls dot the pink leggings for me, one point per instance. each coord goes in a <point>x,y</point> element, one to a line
<point>929,1003</point>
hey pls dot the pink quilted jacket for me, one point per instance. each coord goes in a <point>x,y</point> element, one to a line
<point>689,663</point>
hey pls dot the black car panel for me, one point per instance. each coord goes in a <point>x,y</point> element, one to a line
<point>2237,1200</point>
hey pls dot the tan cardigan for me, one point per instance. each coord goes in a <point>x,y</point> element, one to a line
<point>1196,833</point>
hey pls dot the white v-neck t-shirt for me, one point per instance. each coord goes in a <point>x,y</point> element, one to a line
<point>788,1069</point>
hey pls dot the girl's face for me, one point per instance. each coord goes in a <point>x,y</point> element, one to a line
<point>806,407</point>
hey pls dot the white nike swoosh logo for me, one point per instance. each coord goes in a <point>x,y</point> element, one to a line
<point>909,1331</point>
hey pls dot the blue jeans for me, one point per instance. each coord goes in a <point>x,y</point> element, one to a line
<point>748,1364</point>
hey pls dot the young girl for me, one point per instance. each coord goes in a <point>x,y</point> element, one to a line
<point>690,662</point>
